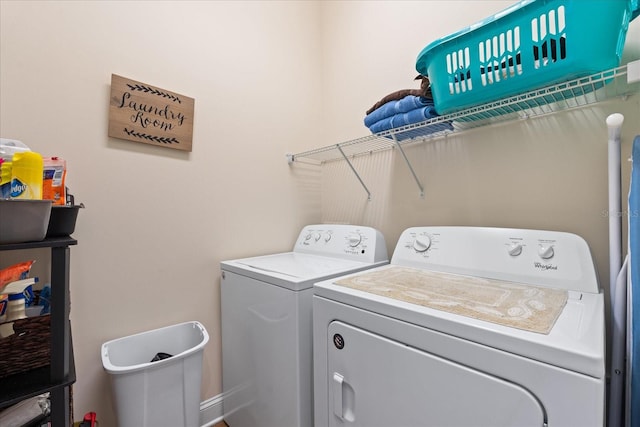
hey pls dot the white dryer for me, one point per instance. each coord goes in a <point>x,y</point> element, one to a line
<point>465,327</point>
<point>267,366</point>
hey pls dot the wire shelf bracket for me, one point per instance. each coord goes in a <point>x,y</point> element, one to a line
<point>355,172</point>
<point>404,156</point>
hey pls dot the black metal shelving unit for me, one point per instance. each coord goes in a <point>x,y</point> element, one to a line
<point>58,376</point>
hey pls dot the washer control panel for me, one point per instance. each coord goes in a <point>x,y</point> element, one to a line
<point>345,241</point>
<point>545,258</point>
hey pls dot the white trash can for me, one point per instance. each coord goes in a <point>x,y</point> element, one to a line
<point>162,393</point>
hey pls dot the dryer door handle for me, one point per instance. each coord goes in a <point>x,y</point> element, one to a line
<point>343,399</point>
<point>338,381</point>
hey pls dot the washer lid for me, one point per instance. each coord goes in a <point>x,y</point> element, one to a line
<point>293,270</point>
<point>576,341</point>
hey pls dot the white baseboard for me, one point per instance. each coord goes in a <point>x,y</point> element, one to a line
<point>211,411</point>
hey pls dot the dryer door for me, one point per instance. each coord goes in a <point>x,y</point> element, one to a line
<point>375,381</point>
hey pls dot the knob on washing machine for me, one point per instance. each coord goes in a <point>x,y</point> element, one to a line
<point>545,251</point>
<point>515,249</point>
<point>421,243</point>
<point>354,239</point>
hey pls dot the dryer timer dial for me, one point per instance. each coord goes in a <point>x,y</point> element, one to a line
<point>354,239</point>
<point>421,243</point>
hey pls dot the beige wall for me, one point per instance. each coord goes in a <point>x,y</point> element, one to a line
<point>157,221</point>
<point>268,78</point>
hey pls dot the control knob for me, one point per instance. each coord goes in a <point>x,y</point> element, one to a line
<point>354,239</point>
<point>545,251</point>
<point>515,249</point>
<point>327,237</point>
<point>421,243</point>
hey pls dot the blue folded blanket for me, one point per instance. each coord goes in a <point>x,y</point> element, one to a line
<point>391,108</point>
<point>402,119</point>
<point>408,110</point>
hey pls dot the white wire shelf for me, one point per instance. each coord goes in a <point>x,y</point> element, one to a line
<point>563,96</point>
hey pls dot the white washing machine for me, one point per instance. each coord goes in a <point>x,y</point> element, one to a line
<point>465,327</point>
<point>267,366</point>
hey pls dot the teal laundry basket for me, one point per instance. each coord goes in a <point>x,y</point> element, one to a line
<point>532,44</point>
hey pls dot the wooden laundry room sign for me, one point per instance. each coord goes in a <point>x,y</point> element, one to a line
<point>143,113</point>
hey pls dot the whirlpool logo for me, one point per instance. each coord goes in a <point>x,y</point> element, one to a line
<point>545,267</point>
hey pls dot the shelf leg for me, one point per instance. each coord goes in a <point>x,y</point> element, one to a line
<point>415,177</point>
<point>60,307</point>
<point>355,172</point>
<point>60,402</point>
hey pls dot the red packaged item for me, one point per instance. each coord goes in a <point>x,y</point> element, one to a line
<point>15,272</point>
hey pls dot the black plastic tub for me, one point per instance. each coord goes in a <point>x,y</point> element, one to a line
<point>62,221</point>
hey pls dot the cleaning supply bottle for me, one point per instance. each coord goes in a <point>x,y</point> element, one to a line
<point>16,301</point>
<point>16,307</point>
<point>55,171</point>
<point>15,304</point>
<point>27,170</point>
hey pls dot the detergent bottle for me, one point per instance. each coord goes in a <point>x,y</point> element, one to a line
<point>27,171</point>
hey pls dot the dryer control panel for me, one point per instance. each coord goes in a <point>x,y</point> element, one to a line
<point>361,243</point>
<point>537,257</point>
